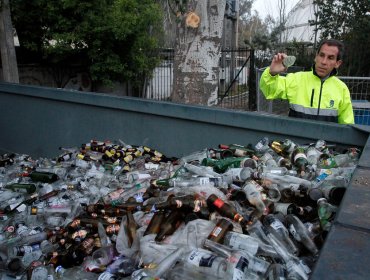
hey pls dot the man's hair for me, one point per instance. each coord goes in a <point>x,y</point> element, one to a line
<point>335,43</point>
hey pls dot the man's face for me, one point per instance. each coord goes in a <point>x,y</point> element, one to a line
<point>326,60</point>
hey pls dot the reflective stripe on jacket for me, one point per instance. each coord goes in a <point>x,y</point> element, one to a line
<point>309,96</point>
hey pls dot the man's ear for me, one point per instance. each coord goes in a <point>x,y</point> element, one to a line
<point>339,63</point>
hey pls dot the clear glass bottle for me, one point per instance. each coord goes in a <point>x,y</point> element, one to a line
<point>275,226</point>
<point>252,245</point>
<point>300,233</point>
<point>254,195</point>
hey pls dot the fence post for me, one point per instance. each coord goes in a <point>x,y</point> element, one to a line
<point>252,84</point>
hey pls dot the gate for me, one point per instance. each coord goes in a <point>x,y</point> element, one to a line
<point>234,85</point>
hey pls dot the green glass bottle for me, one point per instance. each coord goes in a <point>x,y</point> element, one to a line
<point>23,188</point>
<point>299,159</point>
<point>221,165</point>
<point>44,177</point>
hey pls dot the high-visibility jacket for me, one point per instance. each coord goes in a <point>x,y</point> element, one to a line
<point>309,96</point>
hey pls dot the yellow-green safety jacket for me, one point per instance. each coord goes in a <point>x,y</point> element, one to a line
<point>309,96</point>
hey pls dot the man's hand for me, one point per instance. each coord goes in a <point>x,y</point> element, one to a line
<point>277,65</point>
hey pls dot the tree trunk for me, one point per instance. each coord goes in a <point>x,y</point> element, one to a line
<point>8,56</point>
<point>197,53</point>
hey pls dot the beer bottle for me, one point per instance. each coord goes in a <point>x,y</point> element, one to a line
<point>299,159</point>
<point>155,223</point>
<point>238,150</point>
<point>131,228</point>
<point>225,209</point>
<point>219,231</point>
<point>171,223</point>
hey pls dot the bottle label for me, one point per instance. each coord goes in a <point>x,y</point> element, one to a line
<point>201,259</point>
<point>22,229</point>
<point>299,155</point>
<point>258,265</point>
<point>240,267</point>
<point>204,181</point>
<point>277,225</point>
<point>294,232</point>
<point>243,244</point>
<point>106,276</point>
<point>218,203</point>
<point>216,231</point>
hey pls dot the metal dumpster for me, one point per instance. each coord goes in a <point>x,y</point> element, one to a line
<point>37,121</point>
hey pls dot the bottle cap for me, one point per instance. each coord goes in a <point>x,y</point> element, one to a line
<point>34,210</point>
<point>323,199</point>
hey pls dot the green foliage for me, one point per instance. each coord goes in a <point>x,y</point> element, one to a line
<point>119,38</point>
<point>349,21</point>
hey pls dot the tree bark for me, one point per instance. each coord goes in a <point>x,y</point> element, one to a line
<point>197,53</point>
<point>8,56</point>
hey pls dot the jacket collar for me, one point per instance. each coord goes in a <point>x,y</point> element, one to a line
<point>334,72</point>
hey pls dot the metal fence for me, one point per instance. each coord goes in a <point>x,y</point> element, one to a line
<point>238,86</point>
<point>234,79</point>
<point>359,88</point>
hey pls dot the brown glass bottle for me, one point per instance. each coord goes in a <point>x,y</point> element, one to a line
<point>219,231</point>
<point>105,209</point>
<point>225,209</point>
<point>171,223</point>
<point>131,228</point>
<point>86,222</point>
<point>155,223</point>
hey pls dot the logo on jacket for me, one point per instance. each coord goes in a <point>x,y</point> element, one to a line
<point>331,104</point>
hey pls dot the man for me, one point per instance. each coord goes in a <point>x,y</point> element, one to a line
<point>315,94</point>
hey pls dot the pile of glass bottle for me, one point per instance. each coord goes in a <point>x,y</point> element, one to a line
<point>115,211</point>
